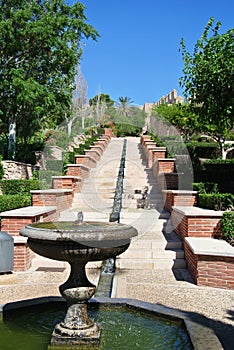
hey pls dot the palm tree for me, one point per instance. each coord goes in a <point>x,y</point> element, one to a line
<point>124,104</point>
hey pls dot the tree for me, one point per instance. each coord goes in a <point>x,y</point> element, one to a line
<point>40,48</point>
<point>100,103</point>
<point>124,105</point>
<point>180,116</point>
<point>208,81</point>
<point>79,100</point>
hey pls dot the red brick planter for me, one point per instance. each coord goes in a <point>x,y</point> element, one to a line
<point>179,198</point>
<point>73,183</point>
<point>196,222</point>
<point>210,262</point>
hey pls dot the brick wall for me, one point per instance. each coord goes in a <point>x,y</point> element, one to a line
<point>79,170</point>
<point>66,182</point>
<point>209,270</point>
<point>167,181</point>
<point>22,257</point>
<point>97,148</point>
<point>202,226</point>
<point>86,159</point>
<point>179,198</point>
<point>93,153</point>
<point>108,132</point>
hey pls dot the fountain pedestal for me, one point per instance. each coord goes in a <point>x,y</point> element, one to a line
<point>77,328</point>
<point>78,243</point>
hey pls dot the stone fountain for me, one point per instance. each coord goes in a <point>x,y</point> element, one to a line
<point>77,243</point>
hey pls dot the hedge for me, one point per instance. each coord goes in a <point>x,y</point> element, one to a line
<point>205,187</point>
<point>10,202</point>
<point>22,187</point>
<point>203,150</point>
<point>216,201</point>
<point>227,226</point>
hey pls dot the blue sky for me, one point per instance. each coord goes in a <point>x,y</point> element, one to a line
<point>137,54</point>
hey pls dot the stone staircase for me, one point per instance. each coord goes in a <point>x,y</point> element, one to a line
<point>157,247</point>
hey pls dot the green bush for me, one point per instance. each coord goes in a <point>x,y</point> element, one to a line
<point>123,129</point>
<point>54,165</point>
<point>10,202</point>
<point>221,172</point>
<point>1,168</point>
<point>203,150</point>
<point>216,201</point>
<point>22,187</point>
<point>205,187</point>
<point>227,226</point>
<point>45,178</point>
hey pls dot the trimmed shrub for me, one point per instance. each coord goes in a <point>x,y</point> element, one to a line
<point>221,172</point>
<point>203,150</point>
<point>22,187</point>
<point>1,169</point>
<point>123,129</point>
<point>216,201</point>
<point>10,202</point>
<point>54,165</point>
<point>227,226</point>
<point>205,187</point>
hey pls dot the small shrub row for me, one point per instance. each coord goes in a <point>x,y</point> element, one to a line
<point>216,201</point>
<point>205,187</point>
<point>10,202</point>
<point>227,226</point>
<point>122,130</point>
<point>203,150</point>
<point>22,187</point>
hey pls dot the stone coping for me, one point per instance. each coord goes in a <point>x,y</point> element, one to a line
<point>51,191</point>
<point>93,150</point>
<point>210,246</point>
<point>28,211</point>
<point>66,177</point>
<point>166,159</point>
<point>79,165</point>
<point>151,147</point>
<point>182,192</point>
<point>157,148</point>
<point>85,156</point>
<point>200,335</point>
<point>169,174</point>
<point>20,240</point>
<point>197,211</point>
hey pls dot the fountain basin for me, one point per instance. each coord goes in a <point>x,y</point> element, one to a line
<point>25,325</point>
<point>78,243</point>
<point>123,327</point>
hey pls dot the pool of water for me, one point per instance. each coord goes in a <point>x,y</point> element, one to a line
<point>122,328</point>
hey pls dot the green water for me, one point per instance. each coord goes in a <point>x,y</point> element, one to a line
<point>122,329</point>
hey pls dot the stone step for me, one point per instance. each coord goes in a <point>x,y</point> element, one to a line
<point>134,253</point>
<point>150,264</point>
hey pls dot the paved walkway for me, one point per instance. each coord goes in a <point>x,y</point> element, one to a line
<point>152,269</point>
